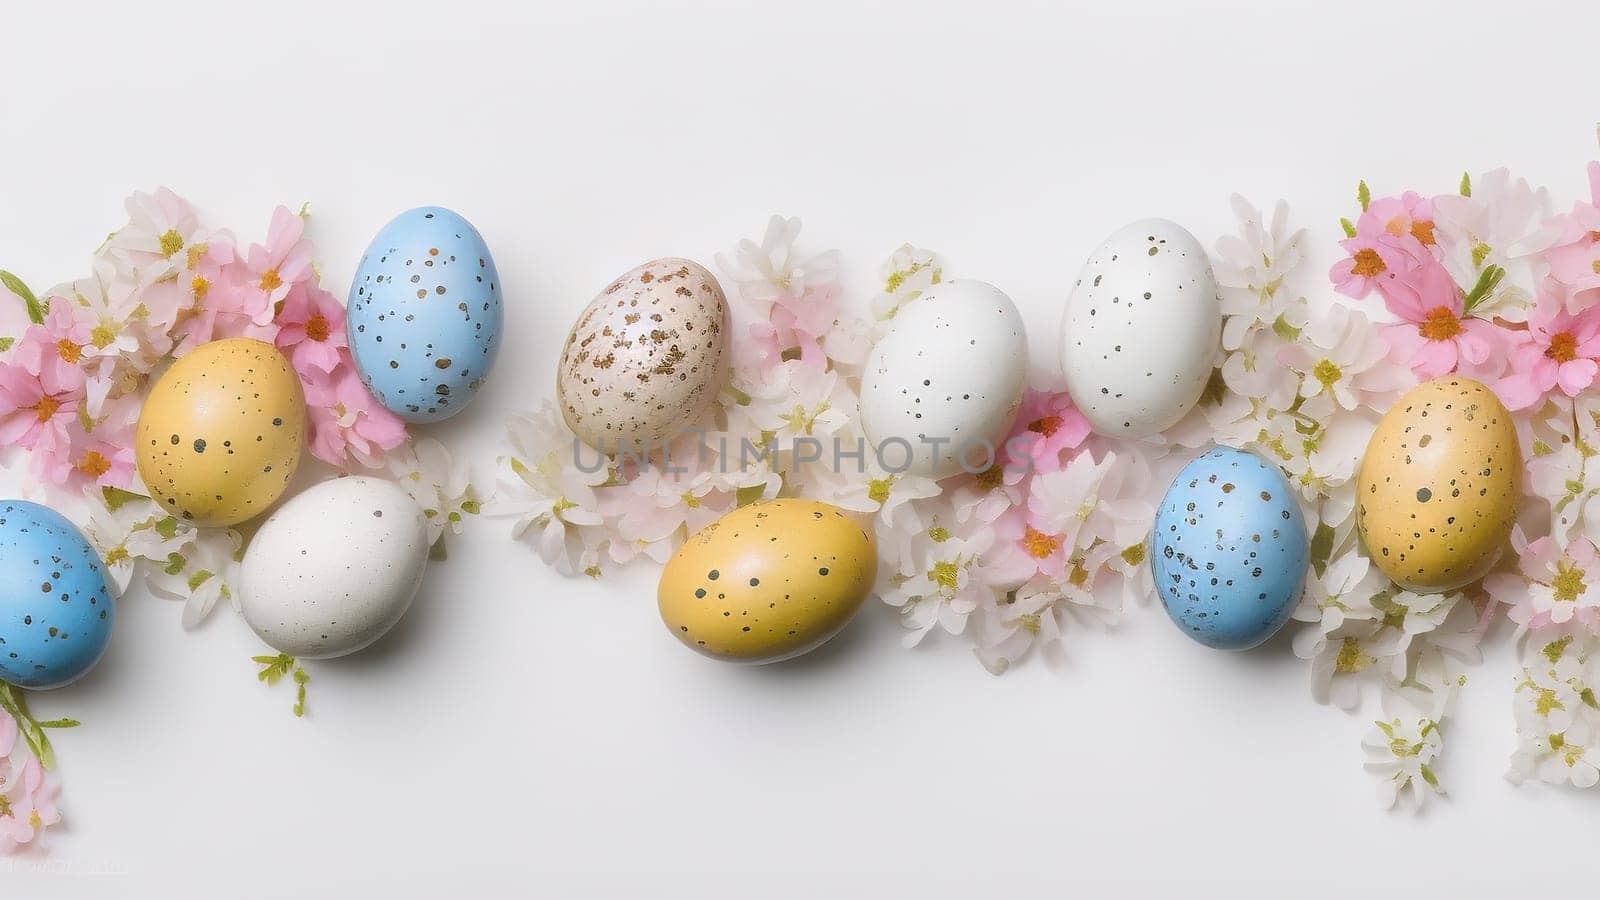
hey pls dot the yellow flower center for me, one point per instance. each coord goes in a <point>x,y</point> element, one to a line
<point>1440,324</point>
<point>270,280</point>
<point>102,336</point>
<point>1366,263</point>
<point>1327,373</point>
<point>70,353</point>
<point>991,478</point>
<point>945,574</point>
<point>1563,347</point>
<point>317,328</point>
<point>691,500</point>
<point>199,286</point>
<point>1038,544</point>
<point>194,254</point>
<point>93,464</point>
<point>878,490</point>
<point>171,242</point>
<point>47,408</point>
<point>938,534</point>
<point>1351,658</point>
<point>1046,426</point>
<point>1568,583</point>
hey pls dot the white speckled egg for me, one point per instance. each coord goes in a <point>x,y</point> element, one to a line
<point>647,357</point>
<point>942,387</point>
<point>1141,329</point>
<point>334,568</point>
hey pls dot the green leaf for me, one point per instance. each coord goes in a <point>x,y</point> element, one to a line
<point>1466,185</point>
<point>1321,547</point>
<point>16,286</point>
<point>1487,282</point>
<point>273,668</point>
<point>60,723</point>
<point>6,343</point>
<point>748,495</point>
<point>1364,194</point>
<point>116,497</point>
<point>1429,777</point>
<point>1349,227</point>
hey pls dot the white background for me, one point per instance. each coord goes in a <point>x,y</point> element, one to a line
<point>520,732</point>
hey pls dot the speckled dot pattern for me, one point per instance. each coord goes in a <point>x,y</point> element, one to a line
<point>1141,330</point>
<point>222,431</point>
<point>769,581</point>
<point>647,357</point>
<point>1438,489</point>
<point>425,314</point>
<point>1229,549</point>
<point>946,380</point>
<point>334,568</point>
<point>56,611</point>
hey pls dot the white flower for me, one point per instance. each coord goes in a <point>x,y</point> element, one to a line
<point>1400,754</point>
<point>766,271</point>
<point>120,532</point>
<point>1339,352</point>
<point>439,484</point>
<point>876,490</point>
<point>160,230</point>
<point>1008,625</point>
<point>1064,501</point>
<point>205,571</point>
<point>1344,590</point>
<point>1251,268</point>
<point>1501,224</point>
<point>800,405</point>
<point>1252,368</point>
<point>548,493</point>
<point>908,273</point>
<point>942,582</point>
<point>1558,719</point>
<point>1357,652</point>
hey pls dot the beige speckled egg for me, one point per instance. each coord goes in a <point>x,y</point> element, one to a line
<point>647,357</point>
<point>768,581</point>
<point>1438,489</point>
<point>220,435</point>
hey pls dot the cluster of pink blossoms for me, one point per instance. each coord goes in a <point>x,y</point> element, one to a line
<point>74,372</point>
<point>1526,344</point>
<point>27,792</point>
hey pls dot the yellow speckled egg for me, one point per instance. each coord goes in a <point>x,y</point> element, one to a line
<point>768,581</point>
<point>1438,489</point>
<point>221,433</point>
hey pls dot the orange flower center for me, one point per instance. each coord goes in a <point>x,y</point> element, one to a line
<point>1046,426</point>
<point>1563,347</point>
<point>1038,544</point>
<point>270,280</point>
<point>1366,263</point>
<point>1440,324</point>
<point>47,408</point>
<point>1423,231</point>
<point>70,352</point>
<point>317,328</point>
<point>94,465</point>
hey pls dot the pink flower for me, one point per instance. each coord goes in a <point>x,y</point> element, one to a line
<point>56,347</point>
<point>1374,259</point>
<point>794,324</point>
<point>27,804</point>
<point>1022,549</point>
<point>1409,214</point>
<point>1435,337</point>
<point>1047,425</point>
<point>311,329</point>
<point>211,295</point>
<point>1575,258</point>
<point>37,411</point>
<point>347,422</point>
<point>1552,585</point>
<point>272,269</point>
<point>1558,350</point>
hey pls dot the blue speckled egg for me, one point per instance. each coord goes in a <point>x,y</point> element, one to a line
<point>56,609</point>
<point>1229,549</point>
<point>425,314</point>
